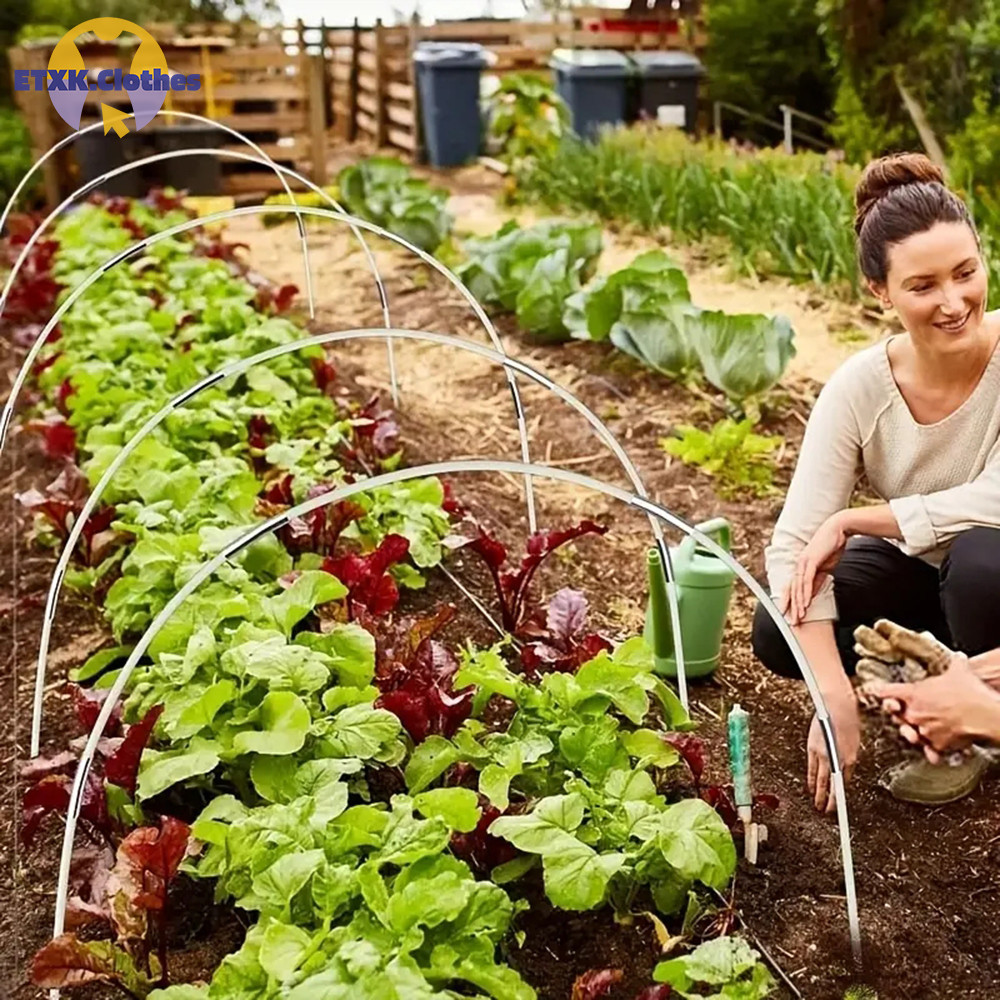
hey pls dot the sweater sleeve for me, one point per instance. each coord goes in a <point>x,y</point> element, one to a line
<point>931,520</point>
<point>824,479</point>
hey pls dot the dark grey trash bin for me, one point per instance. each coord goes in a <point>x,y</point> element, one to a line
<point>448,75</point>
<point>96,153</point>
<point>594,85</point>
<point>199,175</point>
<point>668,87</point>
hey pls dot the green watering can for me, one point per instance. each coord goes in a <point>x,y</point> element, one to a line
<point>704,588</point>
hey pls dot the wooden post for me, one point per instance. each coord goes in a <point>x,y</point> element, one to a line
<point>921,123</point>
<point>300,31</point>
<point>317,118</point>
<point>327,79</point>
<point>380,80</point>
<point>717,119</point>
<point>352,92</point>
<point>38,112</point>
<point>786,113</point>
<point>419,153</point>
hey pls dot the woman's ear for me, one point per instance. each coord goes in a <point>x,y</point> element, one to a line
<point>881,292</point>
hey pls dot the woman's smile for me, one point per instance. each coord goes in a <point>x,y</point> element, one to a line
<point>955,325</point>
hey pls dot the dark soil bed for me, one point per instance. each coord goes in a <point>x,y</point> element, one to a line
<point>925,877</point>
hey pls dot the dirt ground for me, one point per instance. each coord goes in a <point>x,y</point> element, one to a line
<point>926,893</point>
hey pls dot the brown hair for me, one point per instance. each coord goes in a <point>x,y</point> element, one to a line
<point>898,196</point>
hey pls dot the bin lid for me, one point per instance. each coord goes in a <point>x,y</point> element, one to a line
<point>667,65</point>
<point>456,54</point>
<point>591,62</point>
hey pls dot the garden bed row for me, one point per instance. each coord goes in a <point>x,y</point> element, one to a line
<point>362,789</point>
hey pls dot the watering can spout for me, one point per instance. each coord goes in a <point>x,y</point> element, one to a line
<point>658,633</point>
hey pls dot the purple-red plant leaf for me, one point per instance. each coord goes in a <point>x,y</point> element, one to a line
<point>152,857</point>
<point>567,614</point>
<point>87,704</point>
<point>718,798</point>
<point>67,961</point>
<point>58,438</point>
<point>423,698</point>
<point>596,983</point>
<point>692,749</point>
<point>661,991</point>
<point>375,430</point>
<point>51,794</point>
<point>42,767</point>
<point>766,800</point>
<point>493,552</point>
<point>450,504</point>
<point>481,849</point>
<point>325,375</point>
<point>90,870</point>
<point>366,577</point>
<point>280,491</point>
<point>122,766</point>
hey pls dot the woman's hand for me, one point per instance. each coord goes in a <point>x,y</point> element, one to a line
<point>816,561</point>
<point>945,712</point>
<point>847,733</point>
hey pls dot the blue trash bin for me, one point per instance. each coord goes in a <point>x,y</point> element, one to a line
<point>594,85</point>
<point>448,75</point>
<point>668,87</point>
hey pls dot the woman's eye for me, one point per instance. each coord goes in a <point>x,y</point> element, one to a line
<point>967,273</point>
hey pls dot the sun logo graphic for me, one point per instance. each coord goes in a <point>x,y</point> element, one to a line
<point>146,82</point>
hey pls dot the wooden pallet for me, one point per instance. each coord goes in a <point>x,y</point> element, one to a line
<point>271,91</point>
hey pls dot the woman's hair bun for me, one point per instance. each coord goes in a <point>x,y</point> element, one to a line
<point>888,172</point>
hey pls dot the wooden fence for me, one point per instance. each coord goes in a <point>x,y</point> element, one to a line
<point>288,89</point>
<point>265,84</point>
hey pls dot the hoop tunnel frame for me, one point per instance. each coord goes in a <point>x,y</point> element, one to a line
<point>604,434</point>
<point>453,468</point>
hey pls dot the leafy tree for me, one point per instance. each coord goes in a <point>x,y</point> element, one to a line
<point>763,53</point>
<point>946,54</point>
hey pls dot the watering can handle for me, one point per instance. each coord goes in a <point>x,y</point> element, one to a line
<point>716,527</point>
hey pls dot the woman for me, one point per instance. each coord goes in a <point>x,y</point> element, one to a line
<point>919,415</point>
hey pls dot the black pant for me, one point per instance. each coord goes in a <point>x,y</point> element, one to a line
<point>960,603</point>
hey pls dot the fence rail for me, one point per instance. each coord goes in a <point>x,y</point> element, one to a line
<point>786,126</point>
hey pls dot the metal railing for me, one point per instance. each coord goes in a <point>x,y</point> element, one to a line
<point>786,126</point>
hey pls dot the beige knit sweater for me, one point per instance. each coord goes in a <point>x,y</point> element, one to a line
<point>939,479</point>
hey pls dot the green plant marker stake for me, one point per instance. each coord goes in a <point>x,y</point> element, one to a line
<point>739,765</point>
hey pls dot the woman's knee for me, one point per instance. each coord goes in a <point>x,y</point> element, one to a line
<point>769,645</point>
<point>970,584</point>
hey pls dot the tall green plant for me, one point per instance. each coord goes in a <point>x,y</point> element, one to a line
<point>780,215</point>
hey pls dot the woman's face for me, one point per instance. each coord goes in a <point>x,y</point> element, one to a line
<point>937,283</point>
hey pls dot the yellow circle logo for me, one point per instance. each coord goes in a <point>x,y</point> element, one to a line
<point>146,82</point>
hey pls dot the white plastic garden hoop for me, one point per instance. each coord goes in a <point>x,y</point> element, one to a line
<point>265,159</point>
<point>233,155</point>
<point>447,469</point>
<point>235,368</point>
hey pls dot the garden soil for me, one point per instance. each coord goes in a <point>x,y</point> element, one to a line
<point>925,876</point>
